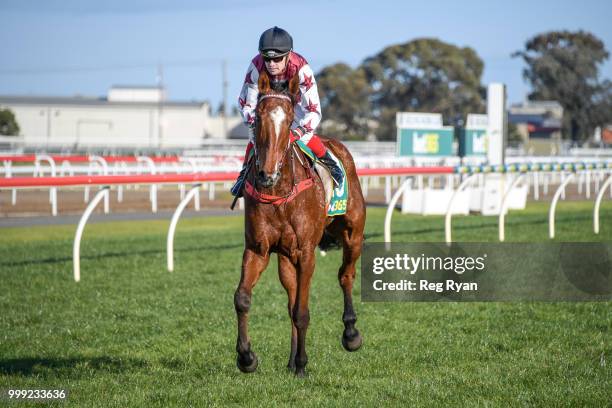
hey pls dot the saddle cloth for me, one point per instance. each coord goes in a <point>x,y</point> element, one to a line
<point>337,198</point>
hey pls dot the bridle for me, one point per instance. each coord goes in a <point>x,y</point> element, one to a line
<point>297,188</point>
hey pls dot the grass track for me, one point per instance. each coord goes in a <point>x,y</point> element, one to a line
<point>132,334</point>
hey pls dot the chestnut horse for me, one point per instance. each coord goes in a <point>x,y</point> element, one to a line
<point>286,213</point>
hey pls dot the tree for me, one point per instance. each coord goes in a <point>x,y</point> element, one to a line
<point>423,75</point>
<point>344,94</point>
<point>8,123</point>
<point>564,66</point>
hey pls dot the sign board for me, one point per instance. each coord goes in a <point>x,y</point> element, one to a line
<point>418,120</point>
<point>477,121</point>
<point>473,140</point>
<point>423,134</point>
<point>425,142</point>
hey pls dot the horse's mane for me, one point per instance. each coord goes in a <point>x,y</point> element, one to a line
<point>280,85</point>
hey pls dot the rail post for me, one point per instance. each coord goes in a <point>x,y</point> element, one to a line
<point>104,167</point>
<point>153,189</point>
<point>602,191</point>
<point>504,205</point>
<point>391,207</point>
<point>52,190</point>
<point>553,205</point>
<point>175,218</point>
<point>449,211</point>
<point>76,248</point>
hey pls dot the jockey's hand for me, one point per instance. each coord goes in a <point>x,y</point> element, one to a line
<point>297,133</point>
<point>252,127</point>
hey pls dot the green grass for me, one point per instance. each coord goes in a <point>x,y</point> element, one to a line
<point>132,334</point>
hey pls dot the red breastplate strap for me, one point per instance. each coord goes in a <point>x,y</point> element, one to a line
<point>276,200</point>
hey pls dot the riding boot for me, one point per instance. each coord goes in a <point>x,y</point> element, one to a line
<point>237,188</point>
<point>331,162</point>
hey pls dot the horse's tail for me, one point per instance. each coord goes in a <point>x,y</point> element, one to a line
<point>328,242</point>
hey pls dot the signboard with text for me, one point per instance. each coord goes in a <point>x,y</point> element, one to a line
<point>473,140</point>
<point>422,134</point>
<point>425,142</point>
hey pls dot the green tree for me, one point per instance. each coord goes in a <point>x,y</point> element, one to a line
<point>8,123</point>
<point>564,66</point>
<point>423,75</point>
<point>344,94</point>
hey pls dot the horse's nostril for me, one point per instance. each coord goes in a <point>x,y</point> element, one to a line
<point>261,174</point>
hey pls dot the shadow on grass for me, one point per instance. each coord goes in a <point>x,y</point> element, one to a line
<point>118,254</point>
<point>35,365</point>
<point>76,366</point>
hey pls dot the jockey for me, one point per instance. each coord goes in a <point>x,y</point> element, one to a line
<point>277,57</point>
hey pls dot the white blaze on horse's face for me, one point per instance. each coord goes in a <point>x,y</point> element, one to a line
<point>278,117</point>
<point>270,177</point>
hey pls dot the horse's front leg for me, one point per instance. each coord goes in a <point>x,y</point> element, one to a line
<point>253,265</point>
<point>301,314</point>
<point>288,277</point>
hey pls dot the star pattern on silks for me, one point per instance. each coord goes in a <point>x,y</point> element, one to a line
<point>307,82</point>
<point>247,79</point>
<point>243,103</point>
<point>250,119</point>
<point>312,107</point>
<point>308,126</point>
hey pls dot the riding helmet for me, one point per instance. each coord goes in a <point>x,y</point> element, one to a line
<point>275,42</point>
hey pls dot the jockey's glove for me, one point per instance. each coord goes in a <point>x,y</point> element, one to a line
<point>252,127</point>
<point>298,132</point>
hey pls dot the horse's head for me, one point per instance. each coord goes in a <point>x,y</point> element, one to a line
<point>274,118</point>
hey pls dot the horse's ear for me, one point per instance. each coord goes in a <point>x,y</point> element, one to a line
<point>264,82</point>
<point>294,87</point>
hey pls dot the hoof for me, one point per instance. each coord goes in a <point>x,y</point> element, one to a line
<point>352,344</point>
<point>300,372</point>
<point>291,367</point>
<point>248,367</point>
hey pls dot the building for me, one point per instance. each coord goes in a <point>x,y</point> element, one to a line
<point>129,117</point>
<point>539,124</point>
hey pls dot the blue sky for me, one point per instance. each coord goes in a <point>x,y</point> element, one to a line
<point>68,47</point>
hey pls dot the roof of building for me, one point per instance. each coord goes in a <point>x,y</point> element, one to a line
<point>91,101</point>
<point>537,104</point>
<point>535,119</point>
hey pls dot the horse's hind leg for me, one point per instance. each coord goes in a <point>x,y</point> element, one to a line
<point>351,243</point>
<point>288,277</point>
<point>252,267</point>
